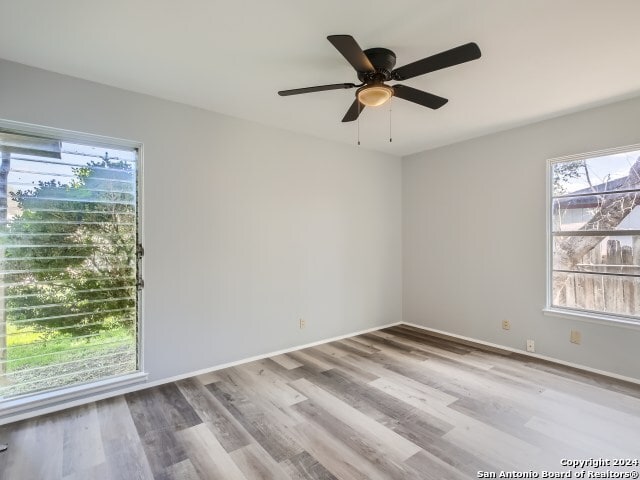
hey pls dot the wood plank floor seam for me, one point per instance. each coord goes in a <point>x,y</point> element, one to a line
<point>397,403</point>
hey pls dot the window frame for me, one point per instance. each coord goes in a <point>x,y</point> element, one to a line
<point>13,409</point>
<point>591,316</point>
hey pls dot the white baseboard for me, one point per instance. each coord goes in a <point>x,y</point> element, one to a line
<point>529,354</point>
<point>31,412</point>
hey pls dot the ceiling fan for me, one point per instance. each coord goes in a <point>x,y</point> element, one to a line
<point>374,67</point>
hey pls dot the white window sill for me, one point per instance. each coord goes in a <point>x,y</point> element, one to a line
<point>14,409</point>
<point>592,317</point>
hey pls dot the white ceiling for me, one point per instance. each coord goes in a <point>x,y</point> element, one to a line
<point>539,58</point>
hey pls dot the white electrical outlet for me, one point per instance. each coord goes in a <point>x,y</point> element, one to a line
<point>531,346</point>
<point>506,325</point>
<point>303,323</point>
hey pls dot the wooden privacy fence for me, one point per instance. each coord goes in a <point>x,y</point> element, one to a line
<point>604,288</point>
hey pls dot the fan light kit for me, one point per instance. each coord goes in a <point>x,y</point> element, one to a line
<point>374,95</point>
<point>375,66</point>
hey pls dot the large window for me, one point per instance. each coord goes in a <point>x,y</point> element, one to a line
<point>69,261</point>
<point>595,234</point>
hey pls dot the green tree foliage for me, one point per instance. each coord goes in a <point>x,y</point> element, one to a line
<point>566,171</point>
<point>71,252</point>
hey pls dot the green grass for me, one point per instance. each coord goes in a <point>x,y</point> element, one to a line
<point>28,349</point>
<point>35,365</point>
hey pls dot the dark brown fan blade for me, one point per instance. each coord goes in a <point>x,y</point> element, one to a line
<point>350,50</point>
<point>320,88</point>
<point>418,96</point>
<point>354,112</point>
<point>455,56</point>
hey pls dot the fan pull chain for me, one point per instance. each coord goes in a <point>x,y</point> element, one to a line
<point>390,139</point>
<point>358,123</point>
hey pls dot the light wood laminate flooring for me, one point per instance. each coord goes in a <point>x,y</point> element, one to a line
<point>398,403</point>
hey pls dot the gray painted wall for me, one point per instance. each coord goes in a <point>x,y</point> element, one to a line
<point>474,238</point>
<point>247,228</point>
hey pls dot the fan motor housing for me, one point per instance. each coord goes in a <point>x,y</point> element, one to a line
<point>383,60</point>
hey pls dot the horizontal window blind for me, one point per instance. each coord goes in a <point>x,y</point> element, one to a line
<point>68,263</point>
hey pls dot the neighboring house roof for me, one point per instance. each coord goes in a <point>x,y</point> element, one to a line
<point>590,201</point>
